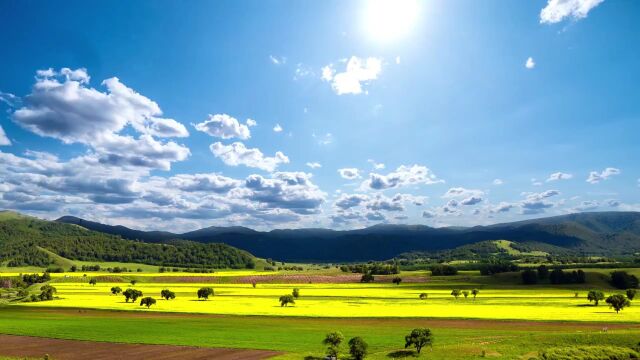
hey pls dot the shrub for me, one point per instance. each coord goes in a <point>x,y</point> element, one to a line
<point>623,280</point>
<point>367,278</point>
<point>424,296</point>
<point>443,270</point>
<point>358,348</point>
<point>631,293</point>
<point>589,353</point>
<point>333,340</point>
<point>285,300</point>
<point>419,338</point>
<point>296,293</point>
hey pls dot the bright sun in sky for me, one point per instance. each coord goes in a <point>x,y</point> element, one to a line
<point>387,20</point>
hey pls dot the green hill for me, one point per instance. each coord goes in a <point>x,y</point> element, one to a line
<point>28,241</point>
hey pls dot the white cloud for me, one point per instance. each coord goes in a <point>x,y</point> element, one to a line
<point>346,202</point>
<point>428,214</point>
<point>314,165</point>
<point>397,59</point>
<point>237,154</point>
<point>587,206</point>
<point>501,207</point>
<point>535,203</point>
<point>530,64</point>
<point>349,173</point>
<point>376,166</point>
<point>498,182</point>
<point>357,72</point>
<point>595,177</point>
<point>278,60</point>
<point>402,176</point>
<point>536,182</point>
<point>302,71</point>
<point>558,10</point>
<point>325,139</point>
<point>62,106</point>
<point>4,140</point>
<point>251,123</point>
<point>559,176</point>
<point>225,127</point>
<point>460,192</point>
<point>277,128</point>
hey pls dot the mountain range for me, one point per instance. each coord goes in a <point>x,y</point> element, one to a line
<point>592,233</point>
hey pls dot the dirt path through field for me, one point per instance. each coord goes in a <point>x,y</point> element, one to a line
<point>27,346</point>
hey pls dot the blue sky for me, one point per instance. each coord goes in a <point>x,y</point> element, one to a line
<point>424,112</point>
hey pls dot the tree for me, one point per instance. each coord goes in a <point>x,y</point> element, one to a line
<point>465,293</point>
<point>456,293</point>
<point>254,284</point>
<point>286,300</point>
<point>397,280</point>
<point>424,296</point>
<point>418,338</point>
<point>47,292</point>
<point>529,277</point>
<point>204,293</point>
<point>93,282</point>
<point>631,293</point>
<point>618,302</point>
<point>148,301</point>
<point>543,272</point>
<point>132,294</point>
<point>333,340</point>
<point>74,268</point>
<point>475,293</point>
<point>443,270</point>
<point>367,278</point>
<point>622,280</point>
<point>116,290</point>
<point>134,282</point>
<point>296,293</point>
<point>596,296</point>
<point>167,294</point>
<point>358,348</point>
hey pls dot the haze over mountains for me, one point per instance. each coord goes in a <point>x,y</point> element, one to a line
<point>594,233</point>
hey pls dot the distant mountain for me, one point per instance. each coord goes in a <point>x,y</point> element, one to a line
<point>26,240</point>
<point>598,233</point>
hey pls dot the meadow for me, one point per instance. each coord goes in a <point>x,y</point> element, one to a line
<point>507,320</point>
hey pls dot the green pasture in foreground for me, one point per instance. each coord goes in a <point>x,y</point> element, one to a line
<point>300,337</point>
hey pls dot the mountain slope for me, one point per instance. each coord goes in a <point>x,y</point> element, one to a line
<point>605,233</point>
<point>22,238</point>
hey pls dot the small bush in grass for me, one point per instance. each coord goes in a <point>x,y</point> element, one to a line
<point>589,353</point>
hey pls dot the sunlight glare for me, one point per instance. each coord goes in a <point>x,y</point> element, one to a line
<point>386,20</point>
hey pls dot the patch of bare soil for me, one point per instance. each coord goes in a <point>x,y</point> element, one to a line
<point>27,346</point>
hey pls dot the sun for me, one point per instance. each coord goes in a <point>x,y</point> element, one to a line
<point>387,20</point>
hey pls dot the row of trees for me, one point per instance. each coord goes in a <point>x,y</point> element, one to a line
<point>616,301</point>
<point>358,348</point>
<point>556,276</point>
<point>457,292</point>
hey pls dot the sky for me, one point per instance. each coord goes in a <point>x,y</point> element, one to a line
<point>178,115</point>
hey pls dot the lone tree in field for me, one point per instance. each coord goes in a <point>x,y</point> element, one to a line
<point>456,293</point>
<point>358,348</point>
<point>285,300</point>
<point>148,301</point>
<point>132,294</point>
<point>465,293</point>
<point>296,293</point>
<point>424,296</point>
<point>254,284</point>
<point>116,290</point>
<point>618,302</point>
<point>167,294</point>
<point>475,293</point>
<point>204,293</point>
<point>47,292</point>
<point>333,340</point>
<point>93,282</point>
<point>397,280</point>
<point>596,296</point>
<point>367,278</point>
<point>631,293</point>
<point>419,338</point>
<point>134,282</point>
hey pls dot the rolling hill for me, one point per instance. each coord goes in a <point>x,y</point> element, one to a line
<point>595,233</point>
<point>28,241</point>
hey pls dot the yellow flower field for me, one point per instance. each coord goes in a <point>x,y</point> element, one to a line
<point>347,300</point>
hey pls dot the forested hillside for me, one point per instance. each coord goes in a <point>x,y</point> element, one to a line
<point>20,237</point>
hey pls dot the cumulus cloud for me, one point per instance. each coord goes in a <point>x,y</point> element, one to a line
<point>595,177</point>
<point>530,64</point>
<point>559,176</point>
<point>498,182</point>
<point>277,60</point>
<point>428,214</point>
<point>4,140</point>
<point>357,72</point>
<point>458,192</point>
<point>376,165</point>
<point>286,190</point>
<point>402,176</point>
<point>535,203</point>
<point>349,173</point>
<point>587,206</point>
<point>558,10</point>
<point>350,201</point>
<point>225,127</point>
<point>314,165</point>
<point>251,123</point>
<point>502,207</point>
<point>325,139</point>
<point>63,106</point>
<point>277,128</point>
<point>238,154</point>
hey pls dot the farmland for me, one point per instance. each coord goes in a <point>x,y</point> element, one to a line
<point>506,320</point>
